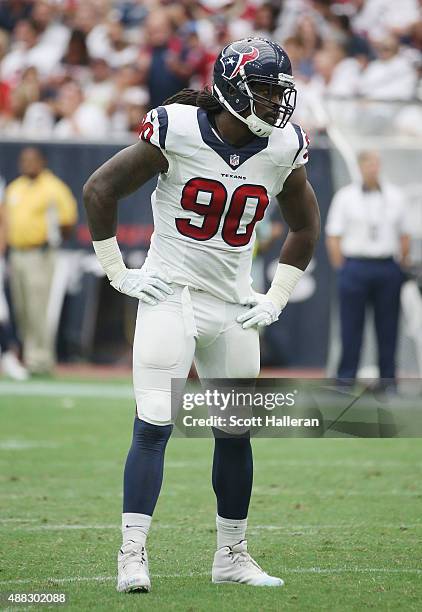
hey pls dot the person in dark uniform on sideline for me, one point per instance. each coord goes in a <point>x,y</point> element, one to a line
<point>367,239</point>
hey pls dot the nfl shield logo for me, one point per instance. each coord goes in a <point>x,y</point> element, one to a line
<point>234,160</point>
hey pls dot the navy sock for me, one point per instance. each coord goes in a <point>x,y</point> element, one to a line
<point>143,474</point>
<point>232,475</point>
<point>5,337</point>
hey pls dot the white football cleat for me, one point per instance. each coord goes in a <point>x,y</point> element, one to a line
<point>132,565</point>
<point>12,367</point>
<point>234,564</point>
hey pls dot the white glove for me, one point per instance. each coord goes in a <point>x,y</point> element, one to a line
<point>264,311</point>
<point>149,287</point>
<point>267,308</point>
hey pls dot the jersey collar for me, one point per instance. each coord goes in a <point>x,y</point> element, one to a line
<point>232,155</point>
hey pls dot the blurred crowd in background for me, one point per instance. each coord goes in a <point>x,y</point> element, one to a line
<point>90,69</point>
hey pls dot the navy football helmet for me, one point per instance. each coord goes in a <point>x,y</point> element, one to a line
<point>251,71</point>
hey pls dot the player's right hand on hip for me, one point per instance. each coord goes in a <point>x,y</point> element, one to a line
<point>148,287</point>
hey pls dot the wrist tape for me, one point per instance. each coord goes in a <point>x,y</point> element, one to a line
<point>110,257</point>
<point>284,281</point>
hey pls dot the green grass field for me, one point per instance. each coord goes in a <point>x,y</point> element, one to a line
<point>339,520</point>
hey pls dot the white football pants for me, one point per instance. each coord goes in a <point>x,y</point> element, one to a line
<point>188,326</point>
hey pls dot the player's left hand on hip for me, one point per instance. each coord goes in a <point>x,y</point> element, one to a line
<point>263,311</point>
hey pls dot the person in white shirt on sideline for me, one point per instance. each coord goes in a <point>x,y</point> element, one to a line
<point>368,243</point>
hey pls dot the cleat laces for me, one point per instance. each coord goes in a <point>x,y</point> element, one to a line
<point>134,555</point>
<point>244,558</point>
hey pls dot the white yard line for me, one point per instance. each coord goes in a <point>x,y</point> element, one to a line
<point>90,579</point>
<point>338,493</point>
<point>19,524</point>
<point>66,389</point>
<point>270,493</point>
<point>379,464</point>
<point>51,581</point>
<point>47,527</point>
<point>339,463</point>
<point>19,445</point>
<point>336,526</point>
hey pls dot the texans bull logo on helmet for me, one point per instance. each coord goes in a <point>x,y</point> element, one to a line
<point>231,67</point>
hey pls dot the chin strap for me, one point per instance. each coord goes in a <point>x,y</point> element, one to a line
<point>256,125</point>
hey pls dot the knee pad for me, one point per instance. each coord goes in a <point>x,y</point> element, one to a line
<point>154,406</point>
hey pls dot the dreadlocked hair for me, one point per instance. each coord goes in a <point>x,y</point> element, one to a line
<point>203,98</point>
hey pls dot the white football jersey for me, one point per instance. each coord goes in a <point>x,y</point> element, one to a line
<point>206,206</point>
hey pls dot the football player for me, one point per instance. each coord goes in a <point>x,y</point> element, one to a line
<point>220,154</point>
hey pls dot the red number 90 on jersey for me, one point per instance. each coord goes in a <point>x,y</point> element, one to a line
<point>213,212</point>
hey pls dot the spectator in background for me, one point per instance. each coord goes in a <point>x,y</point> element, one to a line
<point>335,74</point>
<point>75,62</point>
<point>38,120</point>
<point>336,78</point>
<point>111,44</point>
<point>310,41</point>
<point>378,18</point>
<point>132,105</point>
<point>121,52</point>
<point>127,76</point>
<point>25,93</point>
<point>131,13</point>
<point>196,58</point>
<point>53,36</point>
<point>127,93</point>
<point>9,363</point>
<point>391,76</point>
<point>12,11</point>
<point>30,85</point>
<point>109,41</point>
<point>368,242</point>
<point>354,44</point>
<point>39,210</point>
<point>265,20</point>
<point>38,41</point>
<point>79,119</point>
<point>24,52</point>
<point>136,101</point>
<point>166,59</point>
<point>290,13</point>
<point>86,17</point>
<point>295,50</point>
<point>100,88</point>
<point>36,116</point>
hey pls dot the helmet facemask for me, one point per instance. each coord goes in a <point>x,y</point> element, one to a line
<point>279,113</point>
